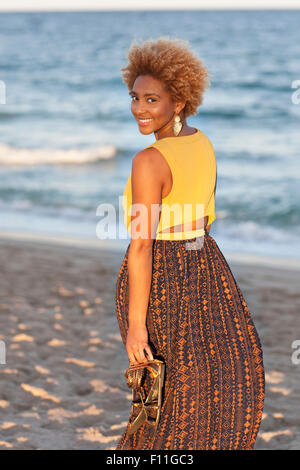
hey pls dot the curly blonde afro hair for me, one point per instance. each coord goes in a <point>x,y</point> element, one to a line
<point>173,63</point>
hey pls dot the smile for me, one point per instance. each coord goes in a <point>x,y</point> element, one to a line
<point>144,121</point>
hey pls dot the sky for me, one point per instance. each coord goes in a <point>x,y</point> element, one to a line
<point>47,5</point>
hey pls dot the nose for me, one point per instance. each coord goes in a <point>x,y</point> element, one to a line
<point>140,109</point>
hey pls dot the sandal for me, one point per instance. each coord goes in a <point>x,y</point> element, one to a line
<point>149,408</point>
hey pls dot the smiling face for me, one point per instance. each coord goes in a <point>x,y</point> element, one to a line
<point>152,105</point>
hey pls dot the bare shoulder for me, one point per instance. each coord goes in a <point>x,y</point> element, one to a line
<point>150,155</point>
<point>151,159</point>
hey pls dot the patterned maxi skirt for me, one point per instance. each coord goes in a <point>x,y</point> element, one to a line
<point>199,324</point>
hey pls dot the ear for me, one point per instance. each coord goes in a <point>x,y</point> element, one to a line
<point>179,107</point>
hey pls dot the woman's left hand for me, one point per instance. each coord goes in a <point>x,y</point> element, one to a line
<point>136,343</point>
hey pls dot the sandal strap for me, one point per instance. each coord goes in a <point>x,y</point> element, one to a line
<point>134,378</point>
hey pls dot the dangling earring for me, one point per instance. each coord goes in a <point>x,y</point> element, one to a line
<point>177,125</point>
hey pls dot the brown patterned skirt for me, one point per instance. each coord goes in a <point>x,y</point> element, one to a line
<point>200,326</point>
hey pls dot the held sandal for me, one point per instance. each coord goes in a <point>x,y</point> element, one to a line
<point>150,407</point>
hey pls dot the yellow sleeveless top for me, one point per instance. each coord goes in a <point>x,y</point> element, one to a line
<point>192,162</point>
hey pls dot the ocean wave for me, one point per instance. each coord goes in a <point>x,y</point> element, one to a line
<point>7,115</point>
<point>224,113</point>
<point>257,238</point>
<point>21,156</point>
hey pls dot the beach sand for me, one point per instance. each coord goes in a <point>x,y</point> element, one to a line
<point>63,384</point>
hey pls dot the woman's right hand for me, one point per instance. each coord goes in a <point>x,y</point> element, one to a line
<point>136,343</point>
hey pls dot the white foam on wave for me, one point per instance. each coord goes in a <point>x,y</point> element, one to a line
<point>258,239</point>
<point>21,156</point>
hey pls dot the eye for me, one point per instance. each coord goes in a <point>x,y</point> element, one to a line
<point>136,97</point>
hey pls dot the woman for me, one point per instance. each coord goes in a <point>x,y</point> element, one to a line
<point>176,297</point>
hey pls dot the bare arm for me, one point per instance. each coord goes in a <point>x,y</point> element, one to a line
<point>140,273</point>
<point>146,191</point>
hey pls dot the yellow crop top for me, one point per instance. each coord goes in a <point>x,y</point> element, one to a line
<point>192,161</point>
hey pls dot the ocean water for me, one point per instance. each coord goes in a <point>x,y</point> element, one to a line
<point>67,136</point>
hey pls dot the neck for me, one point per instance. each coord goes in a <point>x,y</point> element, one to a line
<point>167,129</point>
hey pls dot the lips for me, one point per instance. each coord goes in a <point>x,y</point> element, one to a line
<point>144,122</point>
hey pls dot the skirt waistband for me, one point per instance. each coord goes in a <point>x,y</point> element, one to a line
<point>179,236</point>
